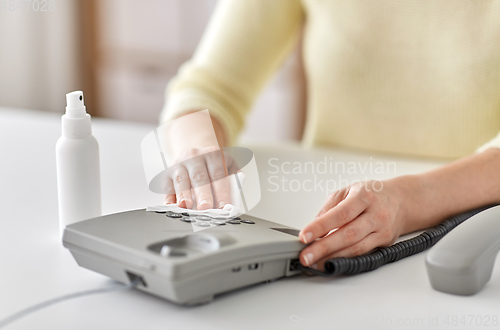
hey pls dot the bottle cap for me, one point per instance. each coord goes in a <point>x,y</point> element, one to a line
<point>76,121</point>
<point>75,105</point>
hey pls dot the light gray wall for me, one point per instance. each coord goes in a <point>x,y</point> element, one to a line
<point>39,55</point>
<point>143,43</point>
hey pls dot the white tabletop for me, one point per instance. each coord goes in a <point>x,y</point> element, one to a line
<point>35,267</point>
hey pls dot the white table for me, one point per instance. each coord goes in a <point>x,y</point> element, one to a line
<point>35,267</point>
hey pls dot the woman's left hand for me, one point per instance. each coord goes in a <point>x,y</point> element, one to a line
<point>366,215</point>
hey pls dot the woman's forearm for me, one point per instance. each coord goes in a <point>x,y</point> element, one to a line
<point>465,184</point>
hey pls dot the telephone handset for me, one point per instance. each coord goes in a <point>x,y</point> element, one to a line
<point>462,262</point>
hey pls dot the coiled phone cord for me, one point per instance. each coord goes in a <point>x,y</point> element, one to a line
<point>385,255</point>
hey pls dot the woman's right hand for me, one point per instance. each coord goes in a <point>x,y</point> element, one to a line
<point>203,171</point>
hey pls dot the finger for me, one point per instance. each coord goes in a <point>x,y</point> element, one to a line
<point>332,201</point>
<point>169,190</point>
<point>225,162</point>
<point>182,187</point>
<point>366,245</point>
<point>200,181</point>
<point>219,179</point>
<point>345,211</point>
<point>169,199</point>
<point>222,192</point>
<point>345,236</point>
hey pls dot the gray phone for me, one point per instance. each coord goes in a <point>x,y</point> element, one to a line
<point>175,261</point>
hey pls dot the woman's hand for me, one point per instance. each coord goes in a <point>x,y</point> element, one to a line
<point>365,215</point>
<point>201,169</point>
<point>204,171</point>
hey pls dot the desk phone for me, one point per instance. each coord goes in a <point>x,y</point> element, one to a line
<point>178,263</point>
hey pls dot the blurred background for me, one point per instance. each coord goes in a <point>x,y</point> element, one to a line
<point>122,54</point>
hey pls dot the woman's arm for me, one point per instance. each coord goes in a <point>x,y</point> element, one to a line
<point>463,185</point>
<point>367,219</point>
<point>244,43</point>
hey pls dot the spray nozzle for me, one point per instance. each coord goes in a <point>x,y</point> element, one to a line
<point>74,104</point>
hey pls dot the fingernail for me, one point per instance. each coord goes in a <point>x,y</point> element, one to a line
<point>221,204</point>
<point>204,201</point>
<point>308,258</point>
<point>307,237</point>
<point>314,266</point>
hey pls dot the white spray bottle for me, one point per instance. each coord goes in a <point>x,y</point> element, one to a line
<point>78,173</point>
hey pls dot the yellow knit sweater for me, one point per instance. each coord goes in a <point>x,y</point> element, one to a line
<point>414,77</point>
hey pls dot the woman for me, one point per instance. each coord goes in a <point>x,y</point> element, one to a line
<point>413,77</point>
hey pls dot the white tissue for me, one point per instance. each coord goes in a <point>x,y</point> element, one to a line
<point>232,210</point>
<point>228,211</point>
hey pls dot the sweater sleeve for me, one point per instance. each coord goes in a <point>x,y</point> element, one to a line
<point>244,43</point>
